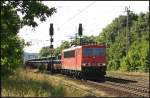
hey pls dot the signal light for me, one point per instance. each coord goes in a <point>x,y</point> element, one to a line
<point>51,30</point>
<point>80,29</point>
<point>51,39</point>
<point>51,46</point>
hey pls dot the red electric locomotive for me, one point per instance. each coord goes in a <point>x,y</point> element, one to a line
<point>88,61</point>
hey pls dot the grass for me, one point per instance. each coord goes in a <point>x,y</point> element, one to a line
<point>21,85</point>
<point>26,83</point>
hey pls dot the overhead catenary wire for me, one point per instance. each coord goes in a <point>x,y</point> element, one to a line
<point>71,18</point>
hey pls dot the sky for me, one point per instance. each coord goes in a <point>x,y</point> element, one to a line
<point>94,16</point>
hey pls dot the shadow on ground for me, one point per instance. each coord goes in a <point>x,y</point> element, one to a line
<point>119,80</point>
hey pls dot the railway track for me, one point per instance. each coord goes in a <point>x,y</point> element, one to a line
<point>130,89</point>
<point>114,86</point>
<point>130,84</point>
<point>122,89</point>
<point>141,80</point>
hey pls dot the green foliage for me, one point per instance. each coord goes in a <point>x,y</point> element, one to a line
<point>114,36</point>
<point>124,64</point>
<point>11,56</point>
<point>45,51</point>
<point>58,91</point>
<point>11,44</point>
<point>88,39</point>
<point>137,56</point>
<point>42,67</point>
<point>30,10</point>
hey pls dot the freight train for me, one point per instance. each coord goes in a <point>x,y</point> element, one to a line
<point>84,61</point>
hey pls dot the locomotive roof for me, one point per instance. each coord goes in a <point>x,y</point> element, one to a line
<point>76,47</point>
<point>72,48</point>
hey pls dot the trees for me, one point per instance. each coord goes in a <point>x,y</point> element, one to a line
<point>137,56</point>
<point>11,44</point>
<point>45,51</point>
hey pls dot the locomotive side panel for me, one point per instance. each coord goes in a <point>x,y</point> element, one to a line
<point>71,59</point>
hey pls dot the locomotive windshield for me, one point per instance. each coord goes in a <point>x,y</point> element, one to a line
<point>93,51</point>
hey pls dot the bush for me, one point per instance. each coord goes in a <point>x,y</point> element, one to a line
<point>42,67</point>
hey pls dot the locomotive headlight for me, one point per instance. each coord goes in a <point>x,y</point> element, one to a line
<point>89,64</point>
<point>98,64</point>
<point>103,64</point>
<point>84,64</point>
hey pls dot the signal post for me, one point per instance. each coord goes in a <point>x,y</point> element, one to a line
<point>50,64</point>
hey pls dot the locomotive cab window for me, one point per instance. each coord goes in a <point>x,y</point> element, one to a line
<point>87,51</point>
<point>93,51</point>
<point>99,51</point>
<point>69,54</point>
